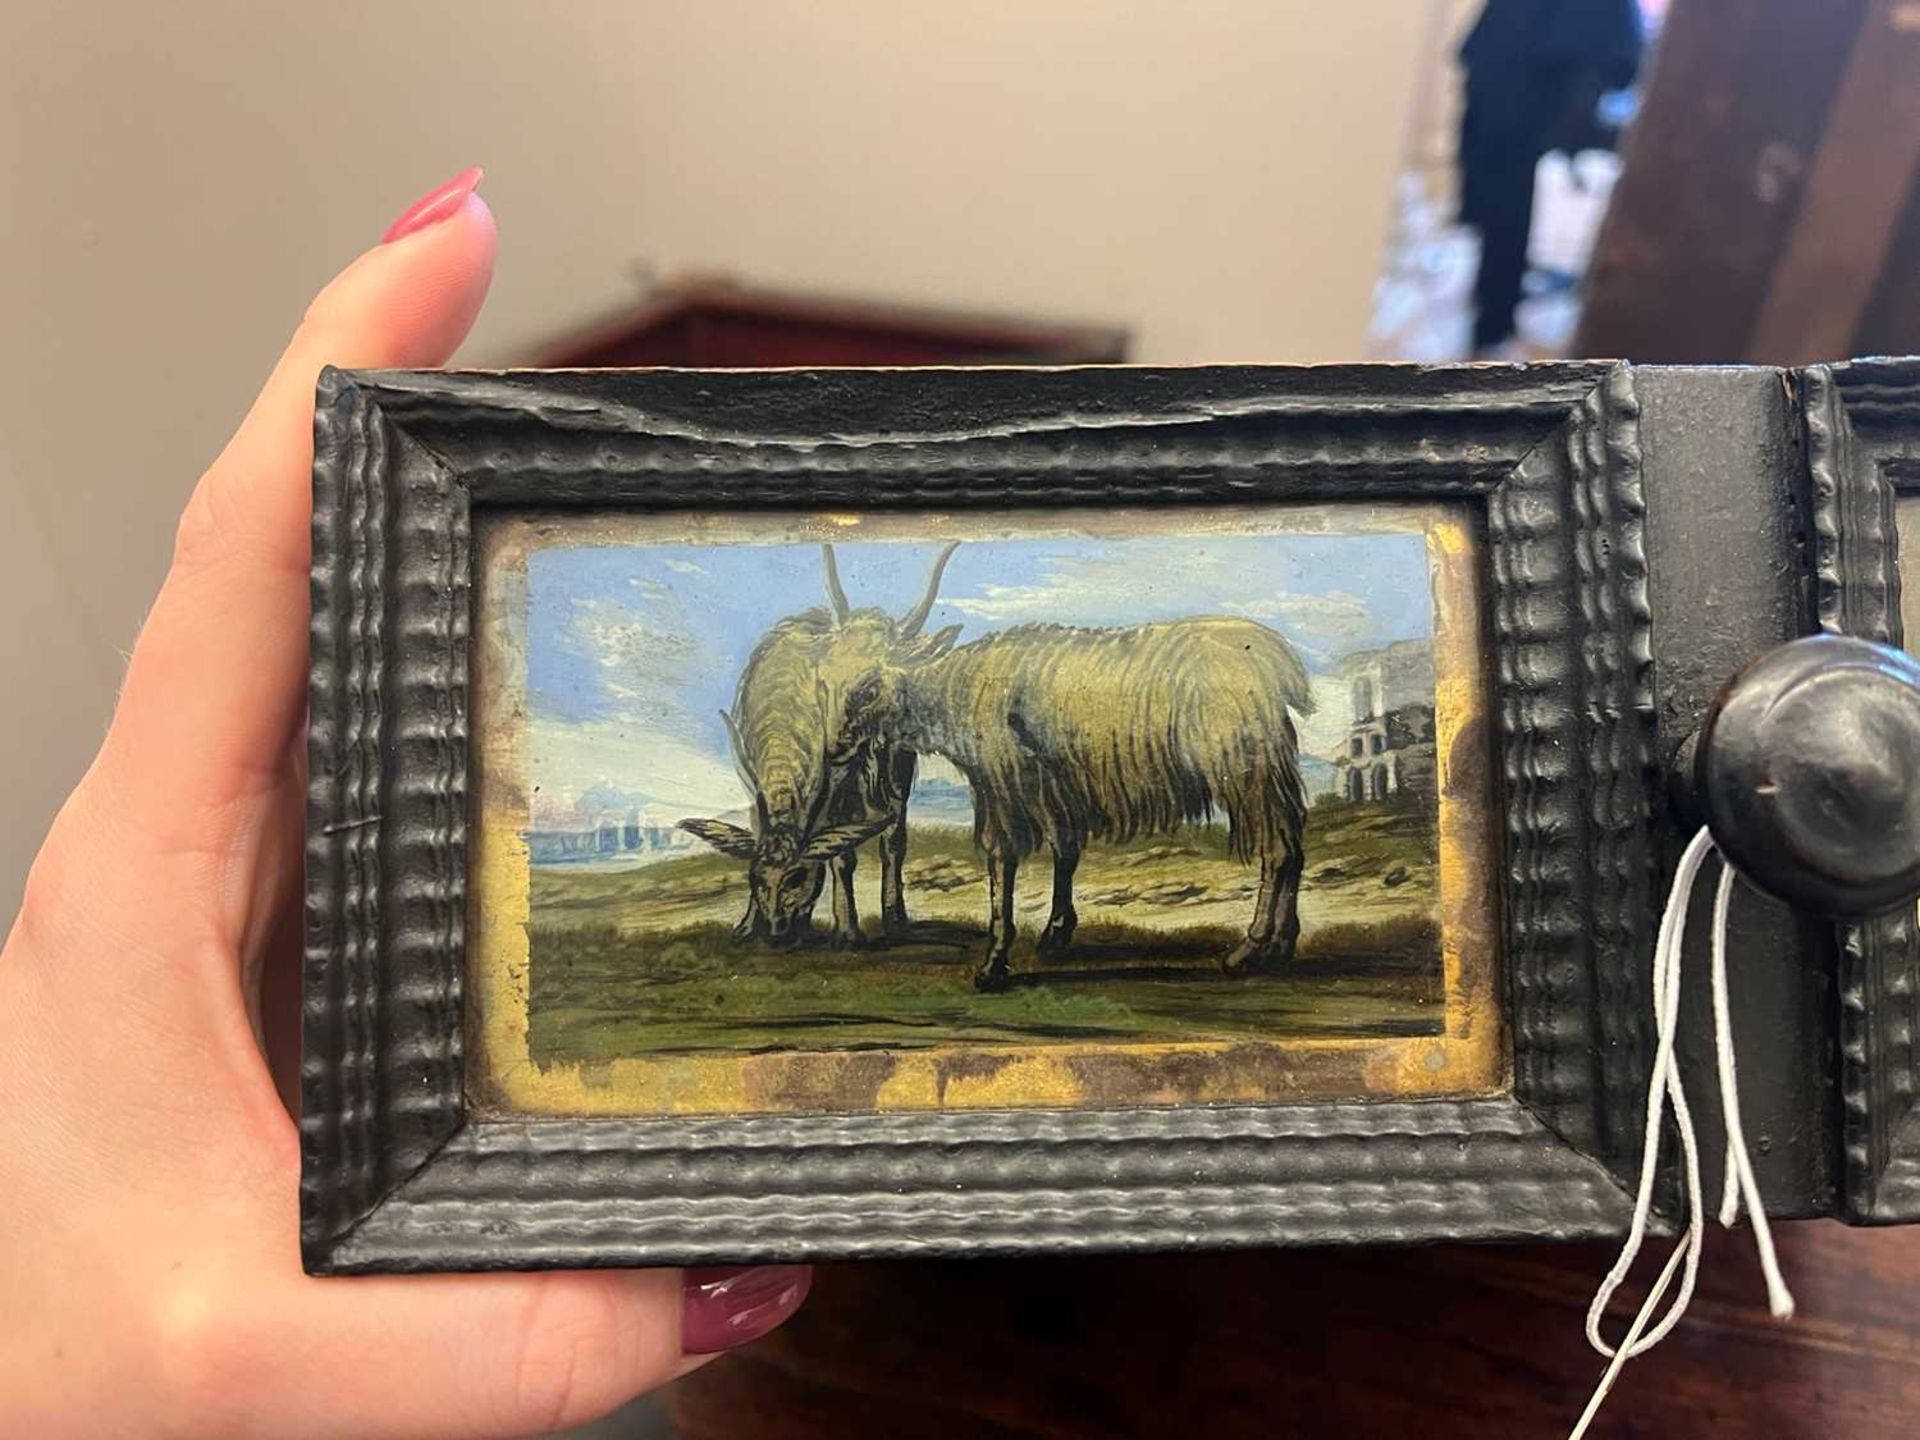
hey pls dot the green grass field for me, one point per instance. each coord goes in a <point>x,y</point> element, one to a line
<point>641,960</point>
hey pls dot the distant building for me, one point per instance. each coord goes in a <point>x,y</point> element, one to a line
<point>1390,746</point>
<point>609,836</point>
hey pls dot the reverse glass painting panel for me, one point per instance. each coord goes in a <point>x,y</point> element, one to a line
<point>870,812</point>
<point>1907,526</point>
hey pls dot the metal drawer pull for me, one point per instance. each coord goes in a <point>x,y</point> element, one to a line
<point>1807,769</point>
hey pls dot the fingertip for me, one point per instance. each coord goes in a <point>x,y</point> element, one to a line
<point>449,285</point>
<point>436,205</point>
<point>725,1306</point>
<point>406,302</point>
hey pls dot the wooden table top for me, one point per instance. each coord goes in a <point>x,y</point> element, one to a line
<point>1435,1342</point>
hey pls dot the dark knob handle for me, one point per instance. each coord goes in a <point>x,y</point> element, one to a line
<point>1808,769</point>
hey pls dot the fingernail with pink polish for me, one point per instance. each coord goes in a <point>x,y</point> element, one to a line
<point>434,206</point>
<point>724,1306</point>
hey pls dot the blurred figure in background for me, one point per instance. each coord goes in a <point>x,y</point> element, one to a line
<point>1535,72</point>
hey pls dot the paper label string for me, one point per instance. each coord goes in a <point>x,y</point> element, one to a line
<point>1664,1088</point>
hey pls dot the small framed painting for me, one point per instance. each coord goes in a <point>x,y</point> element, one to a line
<point>1861,424</point>
<point>856,813</point>
<point>803,814</point>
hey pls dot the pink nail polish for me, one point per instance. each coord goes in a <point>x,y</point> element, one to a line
<point>724,1306</point>
<point>434,206</point>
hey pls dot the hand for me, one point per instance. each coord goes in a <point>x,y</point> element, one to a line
<point>149,1170</point>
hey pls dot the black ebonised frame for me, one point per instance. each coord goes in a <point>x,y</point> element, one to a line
<point>1863,450</point>
<point>399,1176</point>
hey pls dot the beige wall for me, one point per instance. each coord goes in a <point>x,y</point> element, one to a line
<point>175,180</point>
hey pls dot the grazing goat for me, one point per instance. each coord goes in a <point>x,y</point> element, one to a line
<point>812,811</point>
<point>1068,735</point>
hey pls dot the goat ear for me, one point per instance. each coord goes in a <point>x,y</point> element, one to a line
<point>840,838</point>
<point>933,647</point>
<point>727,839</point>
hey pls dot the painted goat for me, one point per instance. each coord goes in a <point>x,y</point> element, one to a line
<point>1068,735</point>
<point>812,811</point>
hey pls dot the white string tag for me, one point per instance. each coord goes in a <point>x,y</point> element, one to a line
<point>1664,1087</point>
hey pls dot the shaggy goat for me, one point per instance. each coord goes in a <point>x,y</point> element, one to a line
<point>1068,735</point>
<point>812,811</point>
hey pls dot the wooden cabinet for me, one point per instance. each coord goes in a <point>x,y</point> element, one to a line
<point>722,324</point>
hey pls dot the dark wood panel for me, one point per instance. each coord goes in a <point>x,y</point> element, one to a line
<point>1817,297</point>
<point>1891,322</point>
<point>1439,1342</point>
<point>1735,435</point>
<point>1715,168</point>
<point>717,323</point>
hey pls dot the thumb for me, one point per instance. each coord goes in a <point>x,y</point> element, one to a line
<point>216,680</point>
<point>502,1355</point>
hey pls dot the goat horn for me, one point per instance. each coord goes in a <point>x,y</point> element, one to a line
<point>914,619</point>
<point>835,595</point>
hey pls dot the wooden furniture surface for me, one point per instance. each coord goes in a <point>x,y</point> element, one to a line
<point>1767,212</point>
<point>721,323</point>
<point>1437,1342</point>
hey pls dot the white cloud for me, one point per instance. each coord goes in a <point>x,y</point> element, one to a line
<point>1338,619</point>
<point>1076,588</point>
<point>1324,733</point>
<point>684,567</point>
<point>585,769</point>
<point>641,663</point>
<point>632,651</point>
<point>1018,602</point>
<point>649,760</point>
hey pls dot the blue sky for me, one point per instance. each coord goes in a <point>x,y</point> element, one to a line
<point>632,651</point>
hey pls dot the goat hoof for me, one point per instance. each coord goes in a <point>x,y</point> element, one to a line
<point>1054,940</point>
<point>990,979</point>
